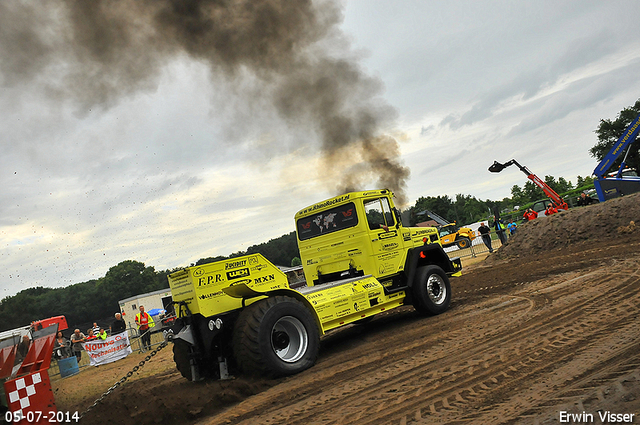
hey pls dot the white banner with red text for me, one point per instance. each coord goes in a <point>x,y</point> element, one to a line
<point>115,347</point>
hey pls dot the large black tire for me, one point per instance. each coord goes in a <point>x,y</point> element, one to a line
<point>181,358</point>
<point>431,290</point>
<point>276,336</point>
<point>463,243</point>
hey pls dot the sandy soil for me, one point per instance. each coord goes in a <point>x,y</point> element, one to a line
<point>547,326</point>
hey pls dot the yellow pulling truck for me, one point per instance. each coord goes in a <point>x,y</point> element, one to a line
<point>241,315</point>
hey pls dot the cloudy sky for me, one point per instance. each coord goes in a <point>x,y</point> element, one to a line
<point>127,134</point>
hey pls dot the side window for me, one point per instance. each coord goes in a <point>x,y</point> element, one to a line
<point>378,213</point>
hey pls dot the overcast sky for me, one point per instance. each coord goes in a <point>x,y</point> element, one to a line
<point>192,159</point>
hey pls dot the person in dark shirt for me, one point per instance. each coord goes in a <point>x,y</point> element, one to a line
<point>584,200</point>
<point>118,325</point>
<point>486,238</point>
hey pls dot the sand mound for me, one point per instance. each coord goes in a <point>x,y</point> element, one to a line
<point>617,218</point>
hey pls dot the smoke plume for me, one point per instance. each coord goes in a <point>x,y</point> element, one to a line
<point>101,51</point>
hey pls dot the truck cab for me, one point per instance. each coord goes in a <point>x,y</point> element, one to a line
<point>360,233</point>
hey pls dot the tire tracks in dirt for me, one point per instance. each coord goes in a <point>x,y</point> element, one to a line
<point>469,373</point>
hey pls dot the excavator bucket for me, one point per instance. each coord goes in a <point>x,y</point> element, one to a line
<point>497,167</point>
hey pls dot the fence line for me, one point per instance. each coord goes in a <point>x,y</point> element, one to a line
<point>134,341</point>
<point>477,245</point>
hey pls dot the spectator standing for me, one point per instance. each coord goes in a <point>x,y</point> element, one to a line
<point>551,209</point>
<point>77,338</point>
<point>118,325</point>
<point>486,238</point>
<point>61,346</point>
<point>512,226</point>
<point>102,334</point>
<point>95,328</point>
<point>500,229</point>
<point>91,335</point>
<point>530,214</point>
<point>145,323</point>
<point>584,200</point>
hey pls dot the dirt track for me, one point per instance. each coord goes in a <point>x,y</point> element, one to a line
<point>528,336</point>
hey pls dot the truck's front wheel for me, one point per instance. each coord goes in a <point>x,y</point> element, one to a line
<point>275,336</point>
<point>431,290</point>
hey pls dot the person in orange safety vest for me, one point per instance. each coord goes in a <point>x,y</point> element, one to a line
<point>145,323</point>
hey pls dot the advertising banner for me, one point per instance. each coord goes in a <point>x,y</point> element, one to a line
<point>115,347</point>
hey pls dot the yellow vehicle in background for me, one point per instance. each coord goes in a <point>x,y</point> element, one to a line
<point>241,314</point>
<point>450,233</point>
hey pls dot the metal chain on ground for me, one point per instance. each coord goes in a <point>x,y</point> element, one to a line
<point>124,378</point>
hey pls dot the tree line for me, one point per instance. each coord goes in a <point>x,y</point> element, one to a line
<point>98,298</point>
<point>467,209</point>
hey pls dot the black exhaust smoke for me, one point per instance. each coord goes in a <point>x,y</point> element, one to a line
<point>96,52</point>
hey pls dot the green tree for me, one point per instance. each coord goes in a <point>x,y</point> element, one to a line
<point>441,205</point>
<point>124,280</point>
<point>81,303</point>
<point>532,192</point>
<point>129,278</point>
<point>210,260</point>
<point>609,132</point>
<point>464,210</point>
<point>518,196</point>
<point>582,182</point>
<point>559,186</point>
<point>563,185</point>
<point>279,251</point>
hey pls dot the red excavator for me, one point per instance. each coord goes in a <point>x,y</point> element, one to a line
<point>557,201</point>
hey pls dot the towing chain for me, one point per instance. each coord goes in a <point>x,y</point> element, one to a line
<point>124,378</point>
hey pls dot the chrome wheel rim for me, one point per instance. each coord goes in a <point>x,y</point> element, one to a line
<point>436,289</point>
<point>289,339</point>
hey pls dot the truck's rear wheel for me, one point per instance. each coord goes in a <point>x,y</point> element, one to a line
<point>431,290</point>
<point>463,243</point>
<point>275,336</point>
<point>181,358</point>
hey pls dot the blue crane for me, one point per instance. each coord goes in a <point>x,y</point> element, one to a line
<point>618,185</point>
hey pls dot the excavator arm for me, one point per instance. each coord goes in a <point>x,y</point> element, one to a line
<point>558,202</point>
